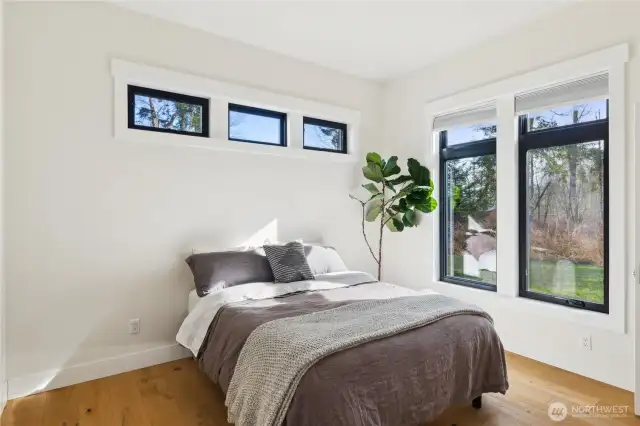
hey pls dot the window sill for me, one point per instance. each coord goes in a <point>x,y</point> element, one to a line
<point>491,301</point>
<point>479,285</point>
<point>182,141</point>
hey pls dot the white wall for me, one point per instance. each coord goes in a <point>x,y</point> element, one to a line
<point>3,346</point>
<point>97,229</point>
<point>570,32</point>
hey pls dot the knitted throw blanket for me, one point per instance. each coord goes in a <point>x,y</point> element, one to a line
<point>277,354</point>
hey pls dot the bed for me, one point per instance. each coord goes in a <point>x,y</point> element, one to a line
<point>192,300</point>
<point>403,378</point>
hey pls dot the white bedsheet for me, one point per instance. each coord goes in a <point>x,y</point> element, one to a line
<point>193,300</point>
<point>194,328</point>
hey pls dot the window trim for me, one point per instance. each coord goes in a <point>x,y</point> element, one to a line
<point>597,130</point>
<point>221,93</point>
<point>244,109</point>
<point>326,123</point>
<point>459,151</point>
<point>622,251</point>
<point>133,90</point>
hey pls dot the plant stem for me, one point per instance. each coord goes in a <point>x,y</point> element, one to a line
<point>364,234</point>
<point>382,222</point>
<point>394,198</point>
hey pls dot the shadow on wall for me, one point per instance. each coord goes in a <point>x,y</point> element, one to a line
<point>157,296</point>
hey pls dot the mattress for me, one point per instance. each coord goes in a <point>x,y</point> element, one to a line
<point>193,299</point>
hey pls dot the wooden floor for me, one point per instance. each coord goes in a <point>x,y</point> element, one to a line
<point>177,394</point>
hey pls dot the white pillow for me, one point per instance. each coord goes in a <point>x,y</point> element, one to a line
<point>323,259</point>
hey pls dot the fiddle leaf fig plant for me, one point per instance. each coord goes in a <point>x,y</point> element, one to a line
<point>395,200</point>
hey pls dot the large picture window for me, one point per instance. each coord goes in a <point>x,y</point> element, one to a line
<point>563,186</point>
<point>468,215</point>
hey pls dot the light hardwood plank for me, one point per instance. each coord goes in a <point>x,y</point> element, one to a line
<point>177,394</point>
<point>25,411</point>
<point>126,401</point>
<point>61,408</point>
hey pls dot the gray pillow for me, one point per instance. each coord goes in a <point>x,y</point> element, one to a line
<point>288,262</point>
<point>323,259</point>
<point>218,270</point>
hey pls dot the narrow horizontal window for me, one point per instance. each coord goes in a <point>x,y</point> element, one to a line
<point>323,135</point>
<point>468,217</point>
<point>564,208</point>
<point>167,112</point>
<point>256,125</point>
<point>567,115</point>
<point>465,134</point>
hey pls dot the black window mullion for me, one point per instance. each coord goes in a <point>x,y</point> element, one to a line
<point>471,149</point>
<point>568,135</point>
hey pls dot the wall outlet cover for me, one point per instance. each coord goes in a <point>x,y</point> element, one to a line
<point>134,326</point>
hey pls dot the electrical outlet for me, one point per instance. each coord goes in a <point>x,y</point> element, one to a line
<point>586,342</point>
<point>134,326</point>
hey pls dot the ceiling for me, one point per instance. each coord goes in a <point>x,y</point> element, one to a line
<point>370,39</point>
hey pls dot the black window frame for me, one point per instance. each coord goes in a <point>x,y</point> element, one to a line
<point>133,90</point>
<point>244,109</point>
<point>597,130</point>
<point>458,151</point>
<point>326,123</point>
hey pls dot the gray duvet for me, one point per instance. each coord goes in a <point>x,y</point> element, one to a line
<point>406,379</point>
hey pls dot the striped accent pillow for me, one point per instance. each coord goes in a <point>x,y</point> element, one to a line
<point>288,262</point>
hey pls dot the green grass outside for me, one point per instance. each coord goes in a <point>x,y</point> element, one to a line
<point>589,279</point>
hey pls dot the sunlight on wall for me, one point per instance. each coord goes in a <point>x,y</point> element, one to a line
<point>269,233</point>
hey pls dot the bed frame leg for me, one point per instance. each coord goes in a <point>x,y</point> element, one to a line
<point>477,402</point>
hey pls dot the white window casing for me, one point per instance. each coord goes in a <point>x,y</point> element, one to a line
<point>220,95</point>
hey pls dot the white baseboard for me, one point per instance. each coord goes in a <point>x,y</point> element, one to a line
<point>3,395</point>
<point>70,375</point>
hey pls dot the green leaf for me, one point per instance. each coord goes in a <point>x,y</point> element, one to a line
<point>373,172</point>
<point>403,205</point>
<point>389,186</point>
<point>406,223</point>
<point>397,223</point>
<point>428,190</point>
<point>374,157</point>
<point>428,206</point>
<point>417,197</point>
<point>390,213</point>
<point>378,196</point>
<point>400,179</point>
<point>409,218</point>
<point>391,167</point>
<point>372,188</point>
<point>373,210</point>
<point>418,172</point>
